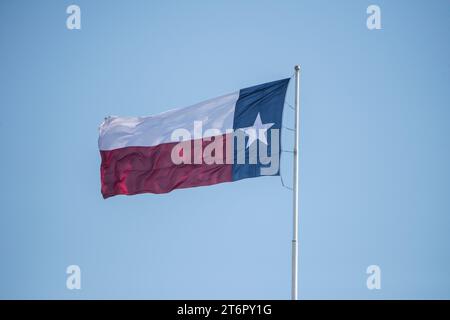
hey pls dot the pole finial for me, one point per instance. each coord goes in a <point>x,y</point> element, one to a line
<point>297,67</point>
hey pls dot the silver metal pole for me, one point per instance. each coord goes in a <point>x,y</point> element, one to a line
<point>295,187</point>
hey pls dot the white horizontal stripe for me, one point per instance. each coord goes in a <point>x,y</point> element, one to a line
<point>120,132</point>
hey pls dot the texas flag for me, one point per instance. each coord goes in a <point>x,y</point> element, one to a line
<point>225,139</point>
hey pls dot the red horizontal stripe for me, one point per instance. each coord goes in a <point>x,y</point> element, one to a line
<point>133,170</point>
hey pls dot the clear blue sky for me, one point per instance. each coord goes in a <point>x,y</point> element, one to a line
<point>375,150</point>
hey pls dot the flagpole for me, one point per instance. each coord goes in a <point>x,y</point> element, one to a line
<point>294,293</point>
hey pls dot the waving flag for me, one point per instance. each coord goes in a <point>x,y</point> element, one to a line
<point>225,139</point>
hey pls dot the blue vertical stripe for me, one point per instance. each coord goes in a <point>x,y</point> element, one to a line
<point>267,100</point>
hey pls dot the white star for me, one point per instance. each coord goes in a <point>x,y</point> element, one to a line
<point>257,131</point>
